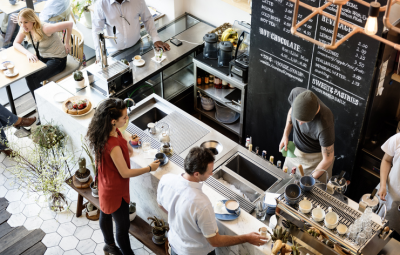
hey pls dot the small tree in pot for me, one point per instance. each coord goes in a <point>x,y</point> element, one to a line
<point>82,174</point>
<point>159,228</point>
<point>93,185</point>
<point>79,79</point>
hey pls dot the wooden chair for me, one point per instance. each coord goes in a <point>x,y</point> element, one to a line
<point>74,58</point>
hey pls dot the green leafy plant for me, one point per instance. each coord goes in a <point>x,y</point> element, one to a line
<point>295,247</point>
<point>126,62</point>
<point>78,76</point>
<point>158,225</point>
<point>80,6</point>
<point>44,164</point>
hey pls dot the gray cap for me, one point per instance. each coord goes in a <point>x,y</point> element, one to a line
<point>305,106</point>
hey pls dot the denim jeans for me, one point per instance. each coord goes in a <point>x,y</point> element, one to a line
<point>10,29</point>
<point>7,118</point>
<point>122,222</point>
<point>174,253</point>
<point>53,66</point>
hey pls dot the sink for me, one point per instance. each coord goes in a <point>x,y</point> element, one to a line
<point>152,115</point>
<point>245,188</point>
<point>251,172</point>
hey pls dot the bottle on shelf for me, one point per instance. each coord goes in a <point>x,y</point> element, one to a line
<point>199,79</point>
<point>250,147</point>
<point>247,142</point>
<point>217,82</point>
<point>279,164</point>
<point>264,154</point>
<point>224,85</point>
<point>211,79</point>
<point>285,169</point>
<point>271,159</point>
<point>206,79</point>
<point>257,150</point>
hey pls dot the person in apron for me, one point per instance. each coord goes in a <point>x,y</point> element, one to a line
<point>389,186</point>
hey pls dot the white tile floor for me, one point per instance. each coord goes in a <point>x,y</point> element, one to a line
<point>65,233</point>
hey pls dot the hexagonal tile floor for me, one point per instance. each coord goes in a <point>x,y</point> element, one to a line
<point>60,233</point>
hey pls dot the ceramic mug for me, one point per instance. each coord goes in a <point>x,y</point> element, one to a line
<point>305,206</point>
<point>232,206</point>
<point>137,59</point>
<point>318,214</point>
<point>152,127</point>
<point>331,219</point>
<point>165,148</point>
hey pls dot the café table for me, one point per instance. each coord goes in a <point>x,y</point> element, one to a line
<point>8,8</point>
<point>24,67</point>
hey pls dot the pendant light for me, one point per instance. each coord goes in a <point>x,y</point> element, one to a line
<point>370,29</point>
<point>371,26</point>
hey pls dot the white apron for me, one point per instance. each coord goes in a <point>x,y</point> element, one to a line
<point>393,196</point>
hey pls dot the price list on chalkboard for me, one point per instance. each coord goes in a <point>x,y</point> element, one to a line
<point>341,78</point>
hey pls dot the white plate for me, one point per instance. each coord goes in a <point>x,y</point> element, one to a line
<point>8,74</point>
<point>139,63</point>
<point>60,97</point>
<point>91,109</point>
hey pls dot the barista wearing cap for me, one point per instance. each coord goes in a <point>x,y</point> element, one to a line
<point>313,133</point>
<point>125,15</point>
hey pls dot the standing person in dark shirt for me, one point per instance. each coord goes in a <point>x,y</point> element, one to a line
<point>313,133</point>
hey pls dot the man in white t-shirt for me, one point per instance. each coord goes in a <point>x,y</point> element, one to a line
<point>389,187</point>
<point>191,217</point>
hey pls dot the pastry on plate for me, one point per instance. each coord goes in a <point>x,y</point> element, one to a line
<point>77,107</point>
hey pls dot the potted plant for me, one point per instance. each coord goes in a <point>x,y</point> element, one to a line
<point>79,79</point>
<point>80,7</point>
<point>92,212</point>
<point>43,166</point>
<point>132,211</point>
<point>82,174</point>
<point>159,228</point>
<point>93,185</point>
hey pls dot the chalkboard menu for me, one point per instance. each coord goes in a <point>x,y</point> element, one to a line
<point>280,61</point>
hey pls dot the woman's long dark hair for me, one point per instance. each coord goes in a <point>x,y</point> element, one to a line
<point>100,126</point>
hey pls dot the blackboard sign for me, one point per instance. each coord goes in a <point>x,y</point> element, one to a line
<point>280,61</point>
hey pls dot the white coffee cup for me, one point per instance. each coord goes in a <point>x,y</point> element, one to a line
<point>137,59</point>
<point>305,205</point>
<point>341,229</point>
<point>318,214</point>
<point>10,68</point>
<point>331,219</point>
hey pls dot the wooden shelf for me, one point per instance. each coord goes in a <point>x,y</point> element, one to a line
<point>241,4</point>
<point>371,172</point>
<point>396,77</point>
<point>235,127</point>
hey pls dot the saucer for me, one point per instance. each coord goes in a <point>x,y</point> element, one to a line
<point>135,146</point>
<point>8,74</point>
<point>139,63</point>
<point>231,216</point>
<point>162,58</point>
<point>165,161</point>
<point>60,97</point>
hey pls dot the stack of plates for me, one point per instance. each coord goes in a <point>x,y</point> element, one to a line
<point>270,201</point>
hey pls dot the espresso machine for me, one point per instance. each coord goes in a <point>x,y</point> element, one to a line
<point>109,72</point>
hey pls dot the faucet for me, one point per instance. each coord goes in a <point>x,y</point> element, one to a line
<point>103,50</point>
<point>127,100</point>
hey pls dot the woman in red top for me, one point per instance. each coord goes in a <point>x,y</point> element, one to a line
<point>112,153</point>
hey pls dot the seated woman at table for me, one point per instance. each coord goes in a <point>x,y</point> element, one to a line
<point>47,44</point>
